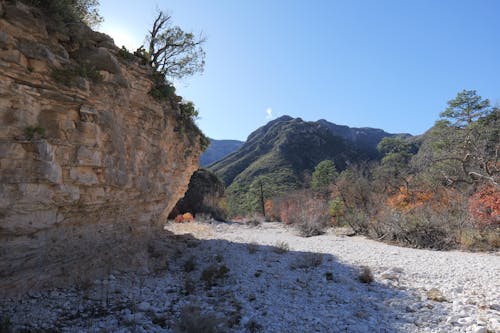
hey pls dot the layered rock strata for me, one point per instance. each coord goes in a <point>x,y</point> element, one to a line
<point>87,167</point>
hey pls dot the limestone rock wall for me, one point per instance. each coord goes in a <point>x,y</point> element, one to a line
<point>84,168</point>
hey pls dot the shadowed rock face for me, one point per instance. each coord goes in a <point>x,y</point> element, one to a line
<point>204,191</point>
<point>86,168</point>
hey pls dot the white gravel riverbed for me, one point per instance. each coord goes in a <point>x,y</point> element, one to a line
<point>257,285</point>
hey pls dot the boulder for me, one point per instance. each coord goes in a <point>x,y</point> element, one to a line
<point>436,295</point>
<point>6,41</point>
<point>14,56</point>
<point>86,37</point>
<point>34,50</point>
<point>22,17</point>
<point>99,58</point>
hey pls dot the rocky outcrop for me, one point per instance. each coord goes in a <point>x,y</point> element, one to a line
<point>205,191</point>
<point>86,168</point>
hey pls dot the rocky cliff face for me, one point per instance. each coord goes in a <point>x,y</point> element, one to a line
<point>88,162</point>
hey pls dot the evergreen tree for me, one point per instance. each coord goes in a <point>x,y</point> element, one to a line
<point>324,175</point>
<point>465,109</point>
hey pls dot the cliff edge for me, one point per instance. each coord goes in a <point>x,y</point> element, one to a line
<point>90,162</point>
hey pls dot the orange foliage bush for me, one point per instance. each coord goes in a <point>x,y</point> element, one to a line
<point>186,217</point>
<point>271,212</point>
<point>408,200</point>
<point>484,206</point>
<point>439,200</point>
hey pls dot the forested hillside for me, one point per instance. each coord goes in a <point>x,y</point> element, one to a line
<point>438,190</point>
<point>283,154</point>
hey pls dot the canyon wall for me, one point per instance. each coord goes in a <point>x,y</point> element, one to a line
<point>88,165</point>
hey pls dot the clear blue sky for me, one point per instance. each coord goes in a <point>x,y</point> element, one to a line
<point>387,64</point>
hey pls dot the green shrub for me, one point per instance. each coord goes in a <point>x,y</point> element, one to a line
<point>70,76</point>
<point>125,54</point>
<point>324,175</point>
<point>188,111</point>
<point>487,239</point>
<point>34,132</point>
<point>162,90</point>
<point>337,210</point>
<point>204,141</point>
<point>187,116</point>
<point>69,11</point>
<point>422,227</point>
<point>358,220</point>
<point>145,58</point>
<point>213,274</point>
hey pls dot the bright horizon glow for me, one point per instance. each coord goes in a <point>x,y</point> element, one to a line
<point>386,64</point>
<point>120,36</point>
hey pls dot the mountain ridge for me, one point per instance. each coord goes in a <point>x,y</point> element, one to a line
<point>218,149</point>
<point>286,150</point>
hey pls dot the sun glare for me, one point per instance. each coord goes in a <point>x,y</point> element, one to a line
<point>121,37</point>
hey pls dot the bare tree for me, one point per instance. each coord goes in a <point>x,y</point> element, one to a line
<point>172,52</point>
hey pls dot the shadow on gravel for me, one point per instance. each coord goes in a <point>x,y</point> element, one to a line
<point>241,287</point>
<point>283,290</point>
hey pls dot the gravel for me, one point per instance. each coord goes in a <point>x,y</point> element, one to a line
<point>267,279</point>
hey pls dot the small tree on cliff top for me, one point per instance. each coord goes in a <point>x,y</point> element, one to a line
<point>172,52</point>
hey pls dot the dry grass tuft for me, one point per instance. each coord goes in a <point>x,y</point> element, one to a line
<point>252,248</point>
<point>213,274</point>
<point>281,247</point>
<point>366,275</point>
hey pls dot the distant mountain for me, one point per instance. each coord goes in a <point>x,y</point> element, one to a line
<point>217,149</point>
<point>288,149</point>
<point>365,139</point>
